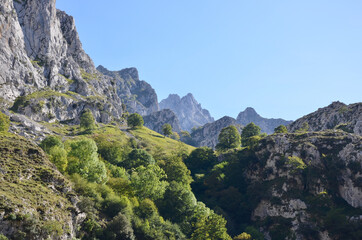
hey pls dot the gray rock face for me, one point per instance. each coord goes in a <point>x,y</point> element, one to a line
<point>188,110</point>
<point>333,162</point>
<point>42,59</point>
<point>208,134</point>
<point>138,95</point>
<point>331,116</point>
<point>267,125</point>
<point>156,120</point>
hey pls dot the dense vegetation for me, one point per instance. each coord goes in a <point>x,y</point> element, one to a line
<point>133,183</point>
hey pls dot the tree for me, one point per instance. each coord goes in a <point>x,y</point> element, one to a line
<point>200,160</point>
<point>50,142</point>
<point>281,129</point>
<point>4,122</point>
<point>135,120</point>
<point>229,137</point>
<point>120,228</point>
<point>249,133</point>
<point>58,156</point>
<point>148,182</point>
<point>250,130</point>
<point>83,159</point>
<point>167,129</point>
<point>178,203</point>
<point>87,120</point>
<point>136,158</point>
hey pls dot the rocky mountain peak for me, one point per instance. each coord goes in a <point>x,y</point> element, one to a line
<point>188,110</point>
<point>267,125</point>
<point>129,73</point>
<point>137,95</point>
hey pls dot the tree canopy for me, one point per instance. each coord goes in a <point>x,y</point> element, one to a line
<point>87,120</point>
<point>281,129</point>
<point>135,120</point>
<point>167,129</point>
<point>229,137</point>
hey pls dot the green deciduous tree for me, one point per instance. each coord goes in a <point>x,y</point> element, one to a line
<point>249,131</point>
<point>178,203</point>
<point>229,137</point>
<point>135,120</point>
<point>83,159</point>
<point>208,225</point>
<point>58,156</point>
<point>149,182</point>
<point>281,129</point>
<point>167,129</point>
<point>136,158</point>
<point>4,122</point>
<point>50,142</point>
<point>200,160</point>
<point>87,120</point>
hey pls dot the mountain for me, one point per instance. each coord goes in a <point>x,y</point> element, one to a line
<point>188,111</point>
<point>138,95</point>
<point>156,120</point>
<point>44,69</point>
<point>336,115</point>
<point>208,134</point>
<point>267,125</point>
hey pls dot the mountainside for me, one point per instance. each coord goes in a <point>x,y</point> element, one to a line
<point>267,125</point>
<point>188,111</point>
<point>36,201</point>
<point>156,120</point>
<point>292,186</point>
<point>138,95</point>
<point>44,68</point>
<point>208,134</point>
<point>336,115</point>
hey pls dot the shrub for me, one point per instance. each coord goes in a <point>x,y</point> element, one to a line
<point>281,129</point>
<point>4,122</point>
<point>87,120</point>
<point>58,156</point>
<point>50,142</point>
<point>135,120</point>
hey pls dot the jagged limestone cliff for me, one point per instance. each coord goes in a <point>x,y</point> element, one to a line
<point>188,111</point>
<point>156,120</point>
<point>336,115</point>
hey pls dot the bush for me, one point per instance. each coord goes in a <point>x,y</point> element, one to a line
<point>87,120</point>
<point>58,156</point>
<point>50,142</point>
<point>136,158</point>
<point>229,137</point>
<point>281,129</point>
<point>135,120</point>
<point>167,129</point>
<point>4,122</point>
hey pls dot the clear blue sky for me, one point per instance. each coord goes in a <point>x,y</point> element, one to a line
<point>284,58</point>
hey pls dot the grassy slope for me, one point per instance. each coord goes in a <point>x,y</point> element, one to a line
<point>31,187</point>
<point>150,140</point>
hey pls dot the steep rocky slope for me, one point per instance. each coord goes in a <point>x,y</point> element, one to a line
<point>208,134</point>
<point>188,110</point>
<point>137,95</point>
<point>292,186</point>
<point>36,201</point>
<point>267,125</point>
<point>156,120</point>
<point>349,117</point>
